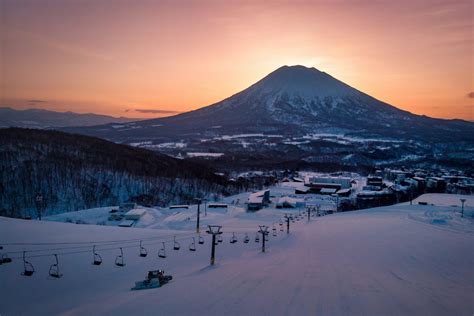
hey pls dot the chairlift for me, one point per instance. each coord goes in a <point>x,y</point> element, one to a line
<point>281,228</point>
<point>4,258</point>
<point>200,240</point>
<point>192,246</point>
<point>233,239</point>
<point>143,251</point>
<point>162,252</point>
<point>274,234</point>
<point>257,238</point>
<point>246,239</point>
<point>28,267</point>
<point>219,239</point>
<point>176,244</point>
<point>54,269</point>
<point>119,260</point>
<point>274,228</point>
<point>97,258</point>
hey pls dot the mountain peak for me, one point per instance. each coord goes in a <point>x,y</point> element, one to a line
<point>304,81</point>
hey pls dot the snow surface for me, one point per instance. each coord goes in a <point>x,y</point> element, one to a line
<point>384,261</point>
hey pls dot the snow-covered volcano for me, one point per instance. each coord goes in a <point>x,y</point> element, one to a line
<point>292,100</point>
<point>286,112</point>
<point>304,98</point>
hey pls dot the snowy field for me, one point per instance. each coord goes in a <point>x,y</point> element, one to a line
<point>396,260</point>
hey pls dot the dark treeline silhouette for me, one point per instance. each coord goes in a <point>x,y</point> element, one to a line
<point>72,172</point>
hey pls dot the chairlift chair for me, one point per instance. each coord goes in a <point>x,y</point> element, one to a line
<point>162,252</point>
<point>192,246</point>
<point>27,266</point>
<point>219,239</point>
<point>176,244</point>
<point>257,238</point>
<point>200,240</point>
<point>119,260</point>
<point>143,251</point>
<point>233,239</point>
<point>54,269</point>
<point>274,234</point>
<point>4,258</point>
<point>246,239</point>
<point>97,259</point>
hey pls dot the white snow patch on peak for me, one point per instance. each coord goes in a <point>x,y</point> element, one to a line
<point>305,82</point>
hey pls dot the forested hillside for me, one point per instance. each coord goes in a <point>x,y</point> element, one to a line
<point>73,172</point>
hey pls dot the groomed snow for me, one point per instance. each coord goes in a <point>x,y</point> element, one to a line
<point>381,261</point>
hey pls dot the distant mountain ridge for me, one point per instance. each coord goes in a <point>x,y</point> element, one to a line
<point>39,118</point>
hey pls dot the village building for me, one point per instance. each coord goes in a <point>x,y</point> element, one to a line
<point>258,200</point>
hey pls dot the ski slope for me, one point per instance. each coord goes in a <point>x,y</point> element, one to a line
<point>394,260</point>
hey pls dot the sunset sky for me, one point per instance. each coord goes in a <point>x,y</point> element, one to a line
<point>154,58</point>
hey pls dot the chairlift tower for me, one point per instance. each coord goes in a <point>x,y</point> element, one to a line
<point>198,200</point>
<point>264,231</point>
<point>214,230</point>
<point>462,207</point>
<point>287,223</point>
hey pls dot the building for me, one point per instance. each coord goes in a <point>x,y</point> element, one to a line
<point>366,199</point>
<point>435,185</point>
<point>217,205</point>
<point>289,202</point>
<point>344,192</point>
<point>328,191</point>
<point>258,200</point>
<point>302,190</point>
<point>375,181</point>
<point>317,183</point>
<point>179,206</point>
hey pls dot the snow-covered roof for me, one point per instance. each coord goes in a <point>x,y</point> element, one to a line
<point>135,212</point>
<point>255,199</point>
<point>302,188</point>
<point>328,190</point>
<point>372,193</point>
<point>127,223</point>
<point>343,191</point>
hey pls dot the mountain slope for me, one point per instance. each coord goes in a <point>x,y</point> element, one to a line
<point>395,260</point>
<point>37,118</point>
<point>74,172</point>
